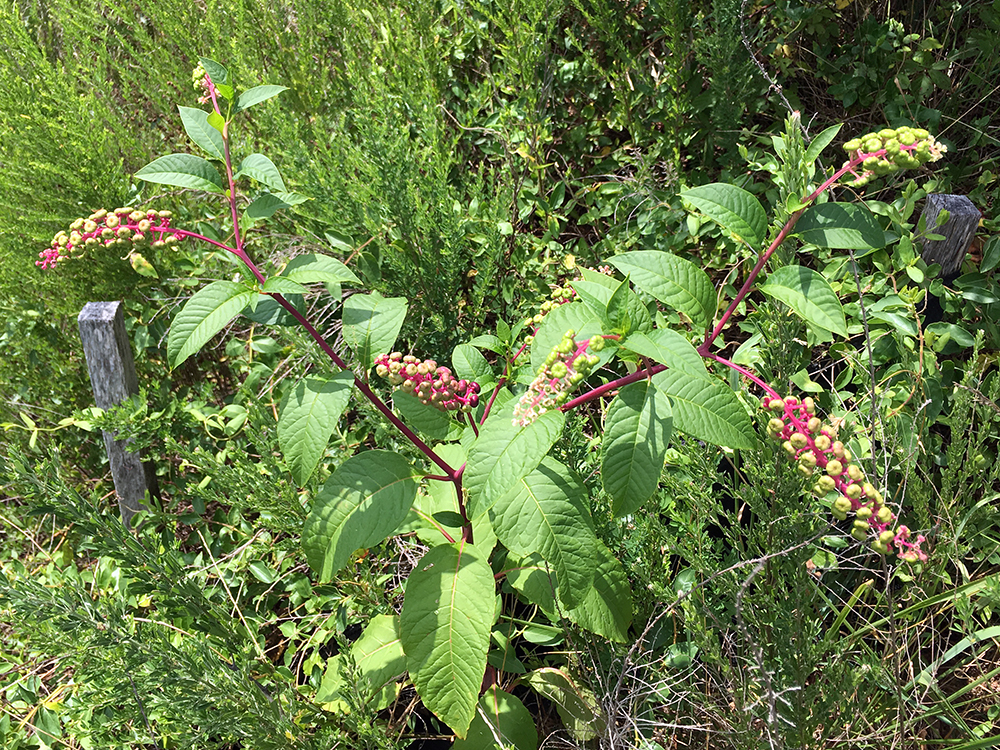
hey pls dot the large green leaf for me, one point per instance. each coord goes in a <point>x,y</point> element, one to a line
<point>505,452</point>
<point>636,433</point>
<point>607,607</point>
<point>445,627</point>
<point>378,655</point>
<point>626,312</point>
<point>706,410</point>
<point>577,706</point>
<point>434,423</point>
<point>595,296</point>
<point>203,316</point>
<point>183,170</point>
<point>371,324</point>
<point>201,133</point>
<point>256,95</point>
<point>809,295</point>
<point>470,364</point>
<point>264,205</point>
<point>672,280</point>
<point>734,208</point>
<point>669,348</point>
<point>575,316</point>
<point>362,502</point>
<point>308,417</point>
<point>546,512</point>
<point>500,715</point>
<point>262,169</point>
<point>844,226</point>
<point>309,269</point>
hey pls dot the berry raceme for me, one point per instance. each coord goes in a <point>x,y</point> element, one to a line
<point>432,385</point>
<point>121,228</point>
<point>819,454</point>
<point>565,368</point>
<point>560,296</point>
<point>889,150</point>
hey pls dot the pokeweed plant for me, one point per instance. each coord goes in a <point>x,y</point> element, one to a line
<point>496,503</point>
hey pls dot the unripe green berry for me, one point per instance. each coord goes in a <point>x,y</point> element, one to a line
<point>828,485</point>
<point>864,512</point>
<point>852,145</point>
<point>814,424</point>
<point>855,473</point>
<point>798,440</point>
<point>558,370</point>
<point>596,343</point>
<point>853,491</point>
<point>776,404</point>
<point>807,459</point>
<point>860,530</point>
<point>834,468</point>
<point>775,426</point>
<point>805,471</point>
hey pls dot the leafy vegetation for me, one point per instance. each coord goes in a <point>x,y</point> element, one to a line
<point>560,201</point>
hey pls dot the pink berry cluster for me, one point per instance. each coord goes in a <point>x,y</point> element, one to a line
<point>890,150</point>
<point>433,385</point>
<point>123,227</point>
<point>565,368</point>
<point>815,448</point>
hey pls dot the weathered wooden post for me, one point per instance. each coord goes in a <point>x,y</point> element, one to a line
<point>958,231</point>
<point>113,379</point>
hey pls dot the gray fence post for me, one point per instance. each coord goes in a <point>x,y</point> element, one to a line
<point>958,231</point>
<point>113,379</point>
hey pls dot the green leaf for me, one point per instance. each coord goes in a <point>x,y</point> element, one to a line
<point>594,296</point>
<point>820,142</point>
<point>607,607</point>
<point>308,269</point>
<point>203,316</point>
<point>183,170</point>
<point>217,121</point>
<point>505,452</point>
<point>371,324</point>
<point>378,655</point>
<point>469,364</point>
<point>626,313</point>
<point>843,226</point>
<point>736,210</point>
<point>500,715</point>
<point>265,205</point>
<point>256,95</point>
<point>445,630</point>
<point>282,285</point>
<point>546,512</point>
<point>809,295</point>
<point>636,434</point>
<point>362,502</point>
<point>705,410</point>
<point>215,71</point>
<point>308,418</point>
<point>433,423</point>
<point>577,706</point>
<point>672,280</point>
<point>262,169</point>
<point>201,132</point>
<point>576,316</point>
<point>669,348</point>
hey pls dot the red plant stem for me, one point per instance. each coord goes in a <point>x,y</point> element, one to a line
<point>705,348</point>
<point>500,384</point>
<point>745,373</point>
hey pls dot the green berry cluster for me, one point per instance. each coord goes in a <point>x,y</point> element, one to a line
<point>560,296</point>
<point>564,369</point>
<point>813,445</point>
<point>886,151</point>
<point>432,385</point>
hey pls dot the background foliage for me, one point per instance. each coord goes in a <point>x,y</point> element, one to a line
<point>467,156</point>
